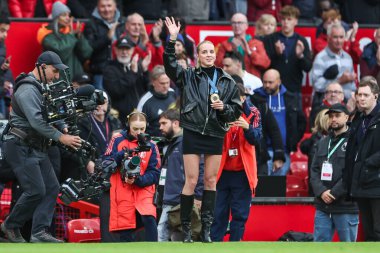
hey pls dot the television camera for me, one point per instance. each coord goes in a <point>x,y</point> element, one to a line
<point>131,163</point>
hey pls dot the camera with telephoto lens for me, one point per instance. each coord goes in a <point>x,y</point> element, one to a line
<point>130,166</point>
<point>96,183</point>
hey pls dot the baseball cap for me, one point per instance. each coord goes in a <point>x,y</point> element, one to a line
<point>338,108</point>
<point>124,42</point>
<point>51,58</point>
<point>82,78</point>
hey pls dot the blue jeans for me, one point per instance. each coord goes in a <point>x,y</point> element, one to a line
<point>325,225</point>
<point>283,170</point>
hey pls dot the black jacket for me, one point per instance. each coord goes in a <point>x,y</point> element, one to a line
<point>196,113</point>
<point>124,87</point>
<point>290,68</point>
<point>362,172</point>
<point>96,32</point>
<point>336,185</point>
<point>270,130</point>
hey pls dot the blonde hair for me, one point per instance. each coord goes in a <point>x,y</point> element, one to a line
<point>263,20</point>
<point>321,123</point>
<point>198,48</point>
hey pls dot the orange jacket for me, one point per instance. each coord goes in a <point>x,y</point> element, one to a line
<point>125,198</point>
<point>247,153</point>
<point>255,63</point>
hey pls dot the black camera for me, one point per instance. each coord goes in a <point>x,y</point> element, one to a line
<point>131,163</point>
<point>74,190</point>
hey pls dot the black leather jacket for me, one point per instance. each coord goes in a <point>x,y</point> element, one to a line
<point>196,113</point>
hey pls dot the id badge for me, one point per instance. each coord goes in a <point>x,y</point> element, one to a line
<point>233,152</point>
<point>162,179</point>
<point>327,170</point>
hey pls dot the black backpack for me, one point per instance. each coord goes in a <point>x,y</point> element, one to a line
<point>292,236</point>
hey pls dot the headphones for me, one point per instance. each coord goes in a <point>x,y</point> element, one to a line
<point>127,123</point>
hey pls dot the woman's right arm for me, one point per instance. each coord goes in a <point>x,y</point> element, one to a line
<point>172,69</point>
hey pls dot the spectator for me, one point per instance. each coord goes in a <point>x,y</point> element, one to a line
<point>361,174</point>
<point>308,11</point>
<point>289,52</point>
<point>308,146</point>
<point>233,65</point>
<point>145,44</point>
<point>4,11</point>
<point>6,78</point>
<point>61,38</point>
<point>173,174</point>
<point>351,45</point>
<point>256,8</point>
<point>289,117</point>
<point>253,51</point>
<point>81,79</point>
<point>126,78</point>
<point>237,176</point>
<point>84,8</point>
<point>333,64</point>
<point>181,49</point>
<point>133,195</point>
<point>265,25</point>
<point>370,59</point>
<point>334,212</point>
<point>32,8</point>
<point>363,12</point>
<point>105,26</point>
<point>333,94</point>
<point>157,99</point>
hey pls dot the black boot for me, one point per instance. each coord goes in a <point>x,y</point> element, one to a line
<point>187,202</point>
<point>207,214</point>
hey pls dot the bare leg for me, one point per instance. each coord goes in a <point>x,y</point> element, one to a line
<point>212,164</point>
<point>191,164</point>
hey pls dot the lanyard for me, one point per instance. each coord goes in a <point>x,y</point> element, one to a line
<point>333,150</point>
<point>105,138</point>
<point>212,83</point>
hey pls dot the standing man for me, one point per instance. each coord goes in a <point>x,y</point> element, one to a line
<point>289,52</point>
<point>362,172</point>
<point>333,64</point>
<point>289,117</point>
<point>255,57</point>
<point>6,79</point>
<point>105,26</point>
<point>28,141</point>
<point>157,100</point>
<point>173,172</point>
<point>334,211</point>
<point>237,176</point>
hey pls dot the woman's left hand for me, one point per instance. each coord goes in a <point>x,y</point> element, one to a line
<point>217,105</point>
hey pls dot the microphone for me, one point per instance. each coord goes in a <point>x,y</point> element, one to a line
<point>85,91</point>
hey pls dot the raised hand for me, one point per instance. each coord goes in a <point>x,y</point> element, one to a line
<point>146,61</point>
<point>173,29</point>
<point>156,30</point>
<point>300,48</point>
<point>134,63</point>
<point>280,47</point>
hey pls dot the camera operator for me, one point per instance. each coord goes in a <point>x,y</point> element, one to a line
<point>133,194</point>
<point>28,140</point>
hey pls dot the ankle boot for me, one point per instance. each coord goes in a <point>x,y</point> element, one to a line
<point>207,214</point>
<point>187,202</point>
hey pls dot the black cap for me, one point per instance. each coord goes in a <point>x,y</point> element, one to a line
<point>338,108</point>
<point>124,42</point>
<point>51,58</point>
<point>82,78</point>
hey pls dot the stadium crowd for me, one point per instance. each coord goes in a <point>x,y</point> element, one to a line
<point>222,114</point>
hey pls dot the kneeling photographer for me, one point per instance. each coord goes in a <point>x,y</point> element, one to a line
<point>25,149</point>
<point>133,185</point>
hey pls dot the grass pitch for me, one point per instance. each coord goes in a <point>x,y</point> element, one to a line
<point>177,247</point>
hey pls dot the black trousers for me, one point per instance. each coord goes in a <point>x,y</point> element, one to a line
<point>39,183</point>
<point>370,216</point>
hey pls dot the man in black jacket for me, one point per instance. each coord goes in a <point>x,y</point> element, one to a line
<point>362,172</point>
<point>105,26</point>
<point>289,52</point>
<point>334,212</point>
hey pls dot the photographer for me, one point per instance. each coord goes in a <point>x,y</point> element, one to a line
<point>26,146</point>
<point>133,194</point>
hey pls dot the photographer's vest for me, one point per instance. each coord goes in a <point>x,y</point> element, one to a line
<point>126,199</point>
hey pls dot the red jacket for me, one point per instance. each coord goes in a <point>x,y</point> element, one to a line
<point>25,8</point>
<point>255,63</point>
<point>247,152</point>
<point>256,8</point>
<point>125,198</point>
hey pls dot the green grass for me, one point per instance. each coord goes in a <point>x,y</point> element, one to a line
<point>239,247</point>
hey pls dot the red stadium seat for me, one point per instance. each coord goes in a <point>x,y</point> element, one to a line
<point>83,230</point>
<point>296,186</point>
<point>299,169</point>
